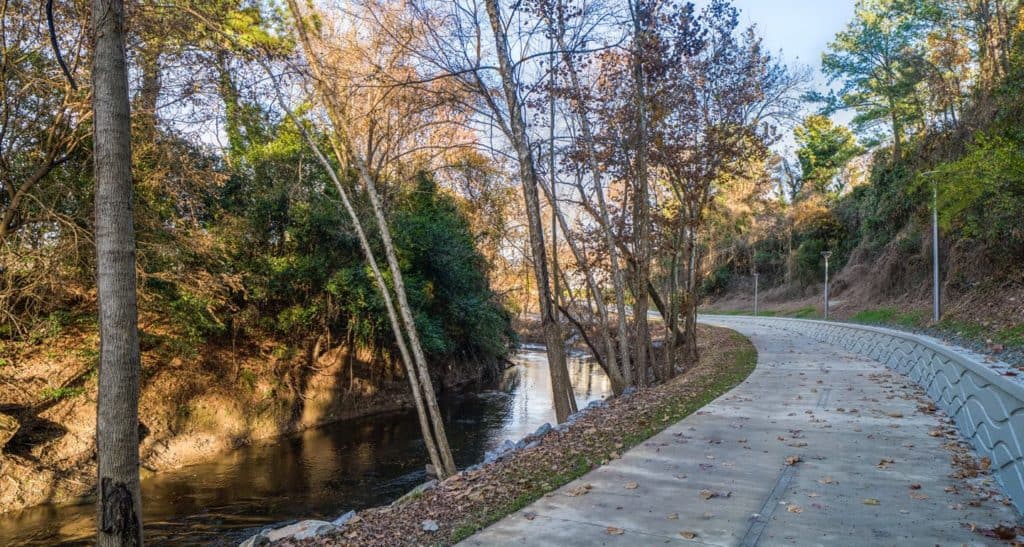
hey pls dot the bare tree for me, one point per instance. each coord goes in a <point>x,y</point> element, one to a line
<point>555,14</point>
<point>517,135</point>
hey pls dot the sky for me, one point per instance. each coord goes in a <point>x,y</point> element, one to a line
<point>800,30</point>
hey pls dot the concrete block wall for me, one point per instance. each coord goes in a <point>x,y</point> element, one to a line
<point>987,407</point>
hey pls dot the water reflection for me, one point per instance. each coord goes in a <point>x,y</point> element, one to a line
<point>319,473</point>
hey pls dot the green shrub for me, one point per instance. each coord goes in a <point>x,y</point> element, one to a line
<point>717,281</point>
<point>61,393</point>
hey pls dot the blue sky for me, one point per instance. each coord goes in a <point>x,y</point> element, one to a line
<point>801,30</point>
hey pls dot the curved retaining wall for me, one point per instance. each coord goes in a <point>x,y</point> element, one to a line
<point>988,408</point>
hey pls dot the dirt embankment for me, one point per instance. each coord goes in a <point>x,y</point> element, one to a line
<point>194,404</point>
<point>982,301</point>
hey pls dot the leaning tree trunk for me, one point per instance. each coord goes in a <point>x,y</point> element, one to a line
<point>609,365</point>
<point>604,218</point>
<point>447,461</point>
<point>560,384</point>
<point>119,507</point>
<point>446,466</point>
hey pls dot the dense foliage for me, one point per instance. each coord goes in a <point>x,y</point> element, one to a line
<point>934,86</point>
<point>244,243</point>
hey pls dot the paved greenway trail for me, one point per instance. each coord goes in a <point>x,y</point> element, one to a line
<point>720,477</point>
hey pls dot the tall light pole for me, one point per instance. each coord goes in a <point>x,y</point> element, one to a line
<point>826,254</point>
<point>936,309</point>
<point>936,302</point>
<point>755,294</point>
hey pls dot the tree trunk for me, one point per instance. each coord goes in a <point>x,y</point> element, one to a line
<point>897,132</point>
<point>671,337</point>
<point>689,304</point>
<point>618,280</point>
<point>119,507</point>
<point>419,358</point>
<point>641,208</point>
<point>528,179</point>
<point>608,363</point>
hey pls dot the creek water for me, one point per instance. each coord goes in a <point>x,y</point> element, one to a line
<point>320,473</point>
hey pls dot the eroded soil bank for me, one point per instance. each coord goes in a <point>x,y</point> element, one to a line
<point>195,403</point>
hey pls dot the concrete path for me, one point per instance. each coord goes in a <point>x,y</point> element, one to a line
<point>870,471</point>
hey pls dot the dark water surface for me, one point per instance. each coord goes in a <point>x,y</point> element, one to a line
<point>320,473</point>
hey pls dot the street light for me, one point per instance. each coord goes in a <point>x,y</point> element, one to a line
<point>936,310</point>
<point>936,303</point>
<point>755,294</point>
<point>826,254</point>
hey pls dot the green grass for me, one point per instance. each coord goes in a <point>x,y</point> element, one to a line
<point>965,329</point>
<point>1012,336</point>
<point>809,312</point>
<point>743,360</point>
<point>889,316</point>
<point>760,313</point>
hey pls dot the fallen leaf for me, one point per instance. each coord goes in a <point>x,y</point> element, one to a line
<point>529,516</point>
<point>885,463</point>
<point>579,490</point>
<point>708,494</point>
<point>688,534</point>
<point>1005,532</point>
<point>794,509</point>
<point>631,485</point>
<point>793,460</point>
<point>871,501</point>
<point>673,516</point>
<point>915,486</point>
<point>827,480</point>
<point>613,531</point>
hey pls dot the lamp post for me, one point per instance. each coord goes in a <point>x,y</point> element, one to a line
<point>755,294</point>
<point>936,309</point>
<point>936,301</point>
<point>826,254</point>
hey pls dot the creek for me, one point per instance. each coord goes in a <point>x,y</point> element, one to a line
<point>320,473</point>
